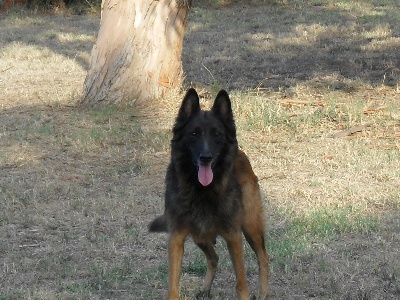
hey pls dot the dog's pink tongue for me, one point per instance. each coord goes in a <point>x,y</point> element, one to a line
<point>205,175</point>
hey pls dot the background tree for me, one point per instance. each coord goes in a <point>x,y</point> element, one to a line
<point>137,55</point>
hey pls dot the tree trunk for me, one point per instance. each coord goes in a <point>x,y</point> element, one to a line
<point>137,55</point>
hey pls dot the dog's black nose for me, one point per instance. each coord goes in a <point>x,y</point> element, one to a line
<point>205,158</point>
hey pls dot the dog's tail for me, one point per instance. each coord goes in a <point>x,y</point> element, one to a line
<point>159,224</point>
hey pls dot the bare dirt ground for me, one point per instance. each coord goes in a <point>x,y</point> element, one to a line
<point>78,187</point>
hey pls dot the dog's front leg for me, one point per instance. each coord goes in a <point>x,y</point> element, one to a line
<point>212,262</point>
<point>175,253</point>
<point>235,247</point>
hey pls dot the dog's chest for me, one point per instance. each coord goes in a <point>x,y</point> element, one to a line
<point>213,213</point>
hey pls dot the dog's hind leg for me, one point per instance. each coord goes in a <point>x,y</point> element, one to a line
<point>253,223</point>
<point>253,230</point>
<point>212,263</point>
<point>255,238</point>
<point>175,252</point>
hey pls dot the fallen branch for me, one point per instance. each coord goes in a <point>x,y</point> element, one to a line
<point>356,135</point>
<point>302,102</point>
<point>352,130</point>
<point>373,110</point>
<point>392,146</point>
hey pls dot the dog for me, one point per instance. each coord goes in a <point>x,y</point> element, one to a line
<point>211,190</point>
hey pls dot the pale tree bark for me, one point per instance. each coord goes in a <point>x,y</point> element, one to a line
<point>137,55</point>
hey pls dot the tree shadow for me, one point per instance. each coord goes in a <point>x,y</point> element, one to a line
<point>273,47</point>
<point>70,36</point>
<point>242,46</point>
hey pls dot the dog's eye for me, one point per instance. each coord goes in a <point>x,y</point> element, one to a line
<point>216,133</point>
<point>193,133</point>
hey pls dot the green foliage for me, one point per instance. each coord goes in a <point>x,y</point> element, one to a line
<point>198,267</point>
<point>282,246</point>
<point>323,224</point>
<point>326,223</point>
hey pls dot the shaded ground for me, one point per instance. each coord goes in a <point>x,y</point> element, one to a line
<point>266,46</point>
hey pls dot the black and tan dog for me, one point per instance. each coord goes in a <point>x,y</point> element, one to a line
<point>211,191</point>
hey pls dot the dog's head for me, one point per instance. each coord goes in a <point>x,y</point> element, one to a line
<point>206,135</point>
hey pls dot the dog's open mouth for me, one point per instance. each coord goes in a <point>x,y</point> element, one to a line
<point>205,174</point>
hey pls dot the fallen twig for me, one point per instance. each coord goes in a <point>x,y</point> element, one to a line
<point>373,110</point>
<point>6,69</point>
<point>302,102</point>
<point>352,130</point>
<point>29,246</point>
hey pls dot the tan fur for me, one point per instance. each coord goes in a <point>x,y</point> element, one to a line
<point>253,223</point>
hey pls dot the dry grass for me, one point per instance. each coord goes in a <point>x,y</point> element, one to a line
<point>78,187</point>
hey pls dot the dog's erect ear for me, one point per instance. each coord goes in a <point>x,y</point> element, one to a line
<point>222,106</point>
<point>190,105</point>
<point>223,109</point>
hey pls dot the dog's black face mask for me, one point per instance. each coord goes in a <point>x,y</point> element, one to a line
<point>204,133</point>
<point>205,143</point>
